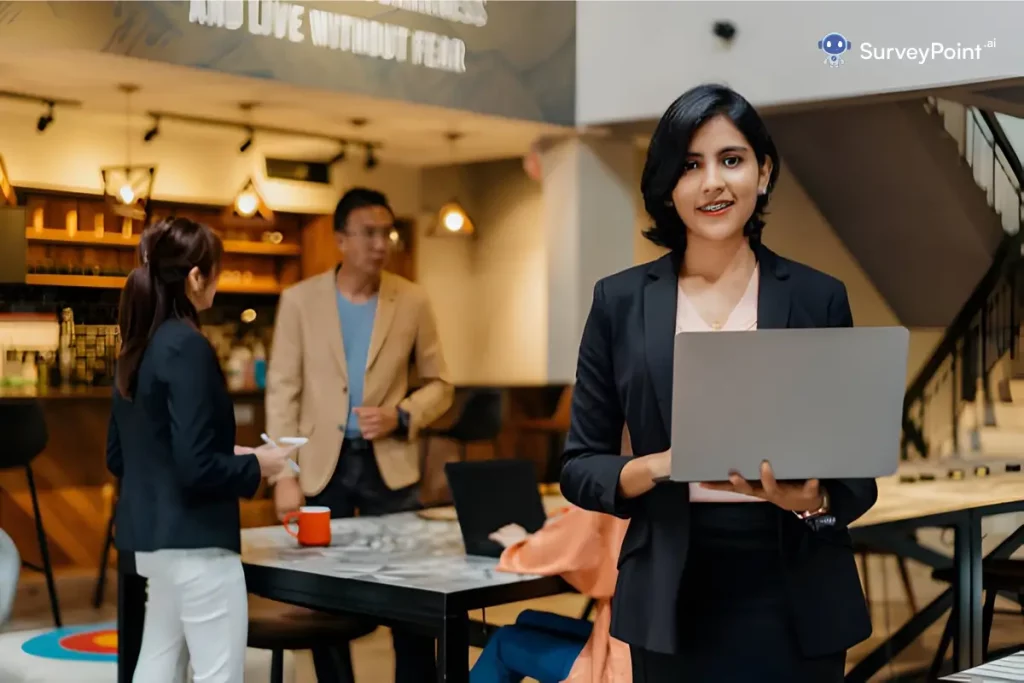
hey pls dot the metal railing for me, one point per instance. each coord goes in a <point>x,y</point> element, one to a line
<point>987,328</point>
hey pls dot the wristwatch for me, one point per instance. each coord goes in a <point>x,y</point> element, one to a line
<point>403,423</point>
<point>823,510</point>
<point>822,517</point>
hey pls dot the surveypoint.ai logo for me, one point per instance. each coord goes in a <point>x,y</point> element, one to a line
<point>834,45</point>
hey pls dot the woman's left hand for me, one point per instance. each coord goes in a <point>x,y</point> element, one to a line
<point>794,496</point>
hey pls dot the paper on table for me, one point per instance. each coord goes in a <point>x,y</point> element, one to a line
<point>1007,670</point>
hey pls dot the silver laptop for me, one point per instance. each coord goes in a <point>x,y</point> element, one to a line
<point>816,403</point>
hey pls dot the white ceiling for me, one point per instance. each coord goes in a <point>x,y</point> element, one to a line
<point>410,134</point>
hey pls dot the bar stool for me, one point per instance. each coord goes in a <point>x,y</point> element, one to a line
<point>555,427</point>
<point>277,626</point>
<point>24,428</point>
<point>479,421</point>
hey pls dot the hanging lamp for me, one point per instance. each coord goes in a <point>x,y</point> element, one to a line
<point>451,218</point>
<point>128,188</point>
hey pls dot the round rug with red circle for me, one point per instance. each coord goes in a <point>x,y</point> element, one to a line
<point>96,643</point>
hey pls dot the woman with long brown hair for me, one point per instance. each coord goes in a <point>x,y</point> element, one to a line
<point>171,443</point>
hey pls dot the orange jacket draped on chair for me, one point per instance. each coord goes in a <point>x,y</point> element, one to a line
<point>583,548</point>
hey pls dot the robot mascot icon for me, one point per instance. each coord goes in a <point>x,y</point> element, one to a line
<point>834,45</point>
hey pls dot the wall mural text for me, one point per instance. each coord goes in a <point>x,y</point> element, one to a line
<point>356,35</point>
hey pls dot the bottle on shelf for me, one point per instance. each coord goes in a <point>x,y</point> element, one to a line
<point>29,372</point>
<point>67,346</point>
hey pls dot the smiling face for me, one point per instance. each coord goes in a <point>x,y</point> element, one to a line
<point>721,181</point>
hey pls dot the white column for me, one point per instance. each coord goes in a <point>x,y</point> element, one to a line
<point>589,215</point>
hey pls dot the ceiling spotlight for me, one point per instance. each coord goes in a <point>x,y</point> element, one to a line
<point>152,132</point>
<point>248,141</point>
<point>371,158</point>
<point>46,119</point>
<point>340,156</point>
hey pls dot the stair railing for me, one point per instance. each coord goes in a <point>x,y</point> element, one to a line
<point>987,328</point>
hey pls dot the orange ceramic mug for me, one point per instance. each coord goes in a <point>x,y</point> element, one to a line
<point>314,525</point>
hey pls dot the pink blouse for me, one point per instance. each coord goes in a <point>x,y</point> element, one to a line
<point>742,318</point>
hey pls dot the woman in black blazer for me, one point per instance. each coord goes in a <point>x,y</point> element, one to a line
<point>744,581</point>
<point>171,442</point>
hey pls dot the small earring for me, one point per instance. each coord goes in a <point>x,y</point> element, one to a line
<point>668,202</point>
<point>763,191</point>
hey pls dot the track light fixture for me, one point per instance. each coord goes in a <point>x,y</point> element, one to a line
<point>152,132</point>
<point>371,158</point>
<point>251,130</point>
<point>46,119</point>
<point>248,141</point>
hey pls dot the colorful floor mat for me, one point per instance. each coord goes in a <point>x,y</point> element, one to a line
<point>85,654</point>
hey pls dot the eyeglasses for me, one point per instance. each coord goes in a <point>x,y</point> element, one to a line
<point>388,235</point>
<point>384,234</point>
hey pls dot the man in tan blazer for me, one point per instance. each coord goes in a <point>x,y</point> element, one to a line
<point>345,345</point>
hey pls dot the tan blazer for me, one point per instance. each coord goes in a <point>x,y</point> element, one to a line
<point>307,377</point>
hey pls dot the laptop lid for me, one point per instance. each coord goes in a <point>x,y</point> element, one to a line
<point>816,403</point>
<point>490,494</point>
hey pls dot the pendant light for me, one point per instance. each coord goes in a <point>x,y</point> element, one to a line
<point>451,218</point>
<point>128,188</point>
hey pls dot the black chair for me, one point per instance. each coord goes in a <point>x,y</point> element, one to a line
<point>479,421</point>
<point>25,436</point>
<point>277,627</point>
<point>863,551</point>
<point>996,576</point>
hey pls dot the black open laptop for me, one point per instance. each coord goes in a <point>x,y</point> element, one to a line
<point>490,494</point>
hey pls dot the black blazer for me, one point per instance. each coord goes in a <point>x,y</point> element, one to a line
<point>624,376</point>
<point>172,447</point>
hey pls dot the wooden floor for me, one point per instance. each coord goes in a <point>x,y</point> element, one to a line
<point>373,656</point>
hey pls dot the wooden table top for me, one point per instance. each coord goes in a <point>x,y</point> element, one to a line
<point>899,502</point>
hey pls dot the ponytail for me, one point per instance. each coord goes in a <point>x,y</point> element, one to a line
<point>155,291</point>
<point>135,318</point>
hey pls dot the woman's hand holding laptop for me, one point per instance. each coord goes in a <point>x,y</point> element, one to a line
<point>794,496</point>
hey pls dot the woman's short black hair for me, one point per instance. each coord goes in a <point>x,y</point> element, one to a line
<point>667,156</point>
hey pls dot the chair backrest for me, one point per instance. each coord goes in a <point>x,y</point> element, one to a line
<point>480,419</point>
<point>563,411</point>
<point>23,433</point>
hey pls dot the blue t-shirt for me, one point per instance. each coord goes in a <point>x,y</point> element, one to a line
<point>356,329</point>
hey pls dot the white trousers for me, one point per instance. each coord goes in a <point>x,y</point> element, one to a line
<point>197,610</point>
<point>10,568</point>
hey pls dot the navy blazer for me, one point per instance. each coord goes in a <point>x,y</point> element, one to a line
<point>624,377</point>
<point>172,447</point>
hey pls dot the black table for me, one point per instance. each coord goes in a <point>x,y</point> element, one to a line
<point>397,569</point>
<point>957,505</point>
